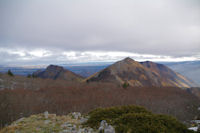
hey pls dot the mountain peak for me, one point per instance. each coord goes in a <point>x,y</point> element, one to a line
<point>57,72</point>
<point>54,67</point>
<point>128,59</point>
<point>140,74</point>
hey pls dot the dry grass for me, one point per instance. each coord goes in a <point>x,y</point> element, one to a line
<point>40,124</point>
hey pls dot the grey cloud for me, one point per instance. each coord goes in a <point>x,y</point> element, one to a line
<point>160,27</point>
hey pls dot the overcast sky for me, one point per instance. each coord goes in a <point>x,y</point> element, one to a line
<point>64,31</point>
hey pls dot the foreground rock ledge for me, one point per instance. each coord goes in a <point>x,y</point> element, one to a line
<point>50,123</point>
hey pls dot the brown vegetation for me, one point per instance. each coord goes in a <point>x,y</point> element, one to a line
<point>62,97</point>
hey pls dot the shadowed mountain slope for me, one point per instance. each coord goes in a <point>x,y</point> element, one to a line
<point>140,74</point>
<point>168,75</point>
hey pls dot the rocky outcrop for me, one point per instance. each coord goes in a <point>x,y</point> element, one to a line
<point>195,124</point>
<point>106,128</point>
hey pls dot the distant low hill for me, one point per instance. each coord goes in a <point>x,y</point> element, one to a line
<point>23,71</point>
<point>140,74</point>
<point>57,72</point>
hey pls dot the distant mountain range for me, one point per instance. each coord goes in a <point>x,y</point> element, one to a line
<point>189,69</point>
<point>140,74</point>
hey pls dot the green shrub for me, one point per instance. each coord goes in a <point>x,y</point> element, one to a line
<point>112,113</point>
<point>125,85</point>
<point>135,119</point>
<point>10,73</point>
<point>29,76</point>
<point>149,123</point>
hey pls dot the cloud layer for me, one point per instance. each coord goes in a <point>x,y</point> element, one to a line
<point>44,57</point>
<point>168,28</point>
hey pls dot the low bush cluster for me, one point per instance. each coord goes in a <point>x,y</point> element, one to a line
<point>112,113</point>
<point>136,119</point>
